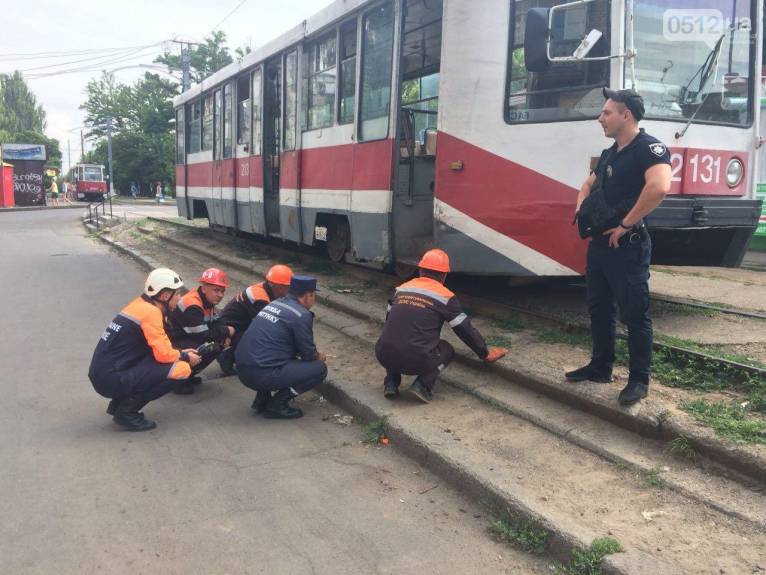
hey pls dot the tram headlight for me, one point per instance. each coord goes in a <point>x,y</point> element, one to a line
<point>734,172</point>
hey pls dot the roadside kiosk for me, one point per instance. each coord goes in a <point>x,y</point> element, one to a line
<point>6,185</point>
<point>28,172</point>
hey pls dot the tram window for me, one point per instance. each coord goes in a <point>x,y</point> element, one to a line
<point>227,110</point>
<point>207,123</point>
<point>256,91</point>
<point>566,90</point>
<point>243,111</point>
<point>320,83</point>
<point>422,95</point>
<point>291,93</point>
<point>347,81</point>
<point>194,118</point>
<point>218,105</point>
<point>180,136</point>
<point>422,45</point>
<point>377,56</point>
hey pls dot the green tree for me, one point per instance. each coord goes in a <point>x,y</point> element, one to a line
<point>107,100</point>
<point>150,105</point>
<point>204,59</point>
<point>20,110</point>
<point>22,119</point>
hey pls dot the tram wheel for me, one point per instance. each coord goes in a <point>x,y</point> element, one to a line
<point>338,240</point>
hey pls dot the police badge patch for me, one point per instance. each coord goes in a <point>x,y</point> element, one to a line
<point>609,171</point>
<point>657,149</point>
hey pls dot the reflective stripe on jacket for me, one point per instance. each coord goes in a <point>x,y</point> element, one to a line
<point>195,320</point>
<point>136,332</point>
<point>240,311</point>
<point>416,314</point>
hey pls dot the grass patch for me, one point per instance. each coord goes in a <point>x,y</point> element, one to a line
<point>575,337</point>
<point>511,324</point>
<point>670,308</point>
<point>372,431</point>
<point>527,535</point>
<point>680,447</point>
<point>499,341</point>
<point>653,477</point>
<point>588,561</point>
<point>729,420</point>
<point>320,267</point>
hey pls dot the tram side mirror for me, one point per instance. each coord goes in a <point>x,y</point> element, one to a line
<point>536,35</point>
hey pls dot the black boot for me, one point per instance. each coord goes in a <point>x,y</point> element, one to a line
<point>128,415</point>
<point>633,392</point>
<point>260,401</point>
<point>226,361</point>
<point>184,387</point>
<point>112,407</point>
<point>278,406</point>
<point>590,373</point>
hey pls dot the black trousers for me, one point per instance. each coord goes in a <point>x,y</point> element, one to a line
<point>427,367</point>
<point>146,381</point>
<point>296,375</point>
<point>180,343</point>
<point>619,278</point>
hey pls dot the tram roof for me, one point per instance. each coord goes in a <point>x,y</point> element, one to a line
<point>325,17</point>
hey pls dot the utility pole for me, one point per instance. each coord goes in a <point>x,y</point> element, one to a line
<point>109,156</point>
<point>185,80</point>
<point>82,147</point>
<point>68,155</point>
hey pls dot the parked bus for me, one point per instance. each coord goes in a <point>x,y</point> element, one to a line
<point>89,182</point>
<point>383,128</point>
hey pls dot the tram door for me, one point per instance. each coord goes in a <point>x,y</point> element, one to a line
<point>217,188</point>
<point>416,131</point>
<point>272,123</point>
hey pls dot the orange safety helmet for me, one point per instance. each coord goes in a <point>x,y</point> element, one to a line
<point>436,260</point>
<point>214,276</point>
<point>280,275</point>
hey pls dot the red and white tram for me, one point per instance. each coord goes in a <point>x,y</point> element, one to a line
<point>89,182</point>
<point>388,127</point>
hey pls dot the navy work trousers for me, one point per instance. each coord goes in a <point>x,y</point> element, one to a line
<point>427,369</point>
<point>619,277</point>
<point>296,375</point>
<point>146,381</point>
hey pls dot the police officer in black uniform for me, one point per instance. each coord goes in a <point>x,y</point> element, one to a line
<point>635,176</point>
<point>277,352</point>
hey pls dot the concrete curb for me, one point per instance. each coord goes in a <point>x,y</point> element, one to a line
<point>564,536</point>
<point>42,208</point>
<point>654,424</point>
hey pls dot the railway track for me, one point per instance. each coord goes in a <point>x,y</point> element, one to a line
<point>583,469</point>
<point>472,297</point>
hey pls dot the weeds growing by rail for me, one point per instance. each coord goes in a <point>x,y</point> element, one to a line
<point>588,561</point>
<point>527,535</point>
<point>728,420</point>
<point>372,431</point>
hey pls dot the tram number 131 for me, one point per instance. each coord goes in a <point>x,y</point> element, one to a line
<point>698,168</point>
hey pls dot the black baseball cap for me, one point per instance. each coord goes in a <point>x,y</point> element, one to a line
<point>632,100</point>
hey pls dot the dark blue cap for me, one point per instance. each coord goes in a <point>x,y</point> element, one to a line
<point>303,284</point>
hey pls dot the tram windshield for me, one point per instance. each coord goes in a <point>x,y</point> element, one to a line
<point>695,58</point>
<point>92,174</point>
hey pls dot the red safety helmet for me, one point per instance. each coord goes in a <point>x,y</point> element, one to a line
<point>436,260</point>
<point>215,277</point>
<point>280,275</point>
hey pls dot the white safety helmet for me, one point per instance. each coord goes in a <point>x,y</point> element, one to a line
<point>160,279</point>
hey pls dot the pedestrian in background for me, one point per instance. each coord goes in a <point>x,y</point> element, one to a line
<point>632,177</point>
<point>134,190</point>
<point>54,192</point>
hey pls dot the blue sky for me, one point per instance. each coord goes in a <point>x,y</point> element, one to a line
<point>49,26</point>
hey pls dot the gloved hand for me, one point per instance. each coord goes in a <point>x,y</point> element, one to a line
<point>495,353</point>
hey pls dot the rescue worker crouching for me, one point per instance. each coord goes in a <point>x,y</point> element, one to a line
<point>410,342</point>
<point>241,310</point>
<point>134,362</point>
<point>277,352</point>
<point>195,322</point>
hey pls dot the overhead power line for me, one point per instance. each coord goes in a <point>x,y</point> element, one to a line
<point>237,7</point>
<point>121,53</point>
<point>94,66</point>
<point>62,53</point>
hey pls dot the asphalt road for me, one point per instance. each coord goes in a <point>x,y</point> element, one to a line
<point>213,489</point>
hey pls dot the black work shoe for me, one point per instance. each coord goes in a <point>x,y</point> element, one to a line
<point>184,388</point>
<point>390,389</point>
<point>194,380</point>
<point>112,407</point>
<point>420,391</point>
<point>633,392</point>
<point>128,416</point>
<point>260,401</point>
<point>590,373</point>
<point>279,407</point>
<point>226,362</point>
